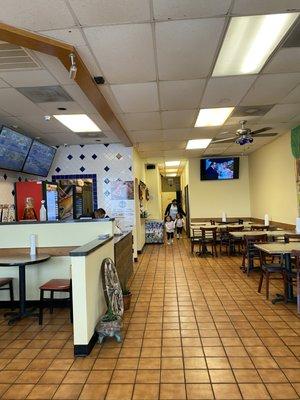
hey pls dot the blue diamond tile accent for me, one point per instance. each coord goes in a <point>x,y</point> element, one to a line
<point>106,144</point>
<point>13,192</point>
<point>119,180</point>
<point>119,156</point>
<point>130,168</point>
<point>106,180</point>
<point>69,157</point>
<point>57,169</point>
<point>94,156</point>
<point>106,169</point>
<point>82,169</point>
<point>82,156</point>
<point>81,145</point>
<point>107,193</point>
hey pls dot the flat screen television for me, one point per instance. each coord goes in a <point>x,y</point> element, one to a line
<point>39,159</point>
<point>219,169</point>
<point>14,148</point>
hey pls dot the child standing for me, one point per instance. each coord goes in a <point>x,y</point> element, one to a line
<point>170,228</point>
<point>179,222</point>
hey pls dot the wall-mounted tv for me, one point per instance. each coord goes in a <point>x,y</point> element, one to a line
<point>14,148</point>
<point>219,169</point>
<point>39,159</point>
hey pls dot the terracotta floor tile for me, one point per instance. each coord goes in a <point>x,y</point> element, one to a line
<point>105,363</point>
<point>214,351</point>
<point>199,391</point>
<point>272,375</point>
<point>247,375</point>
<point>76,377</point>
<point>172,376</point>
<point>54,377</point>
<point>40,392</point>
<point>97,376</point>
<point>252,391</point>
<point>172,363</point>
<point>171,391</point>
<point>148,376</point>
<point>281,391</point>
<point>226,391</point>
<point>29,376</point>
<point>221,376</point>
<point>16,392</point>
<point>264,362</point>
<point>9,376</point>
<point>194,363</point>
<point>147,391</point>
<point>119,391</point>
<point>68,392</point>
<point>196,376</point>
<point>151,351</point>
<point>217,363</point>
<point>123,376</point>
<point>93,392</point>
<point>241,362</point>
<point>171,352</point>
<point>149,363</point>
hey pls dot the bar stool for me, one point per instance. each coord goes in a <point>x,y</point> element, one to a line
<point>9,282</point>
<point>52,286</point>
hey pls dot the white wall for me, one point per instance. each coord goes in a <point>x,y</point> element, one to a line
<point>209,198</point>
<point>273,181</point>
<point>153,182</point>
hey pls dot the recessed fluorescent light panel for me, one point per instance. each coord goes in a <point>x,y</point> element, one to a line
<point>78,122</point>
<point>197,144</point>
<point>171,175</point>
<point>172,163</point>
<point>250,41</point>
<point>213,116</point>
<point>171,170</point>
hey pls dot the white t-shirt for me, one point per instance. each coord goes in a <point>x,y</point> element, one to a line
<point>179,222</point>
<point>170,226</point>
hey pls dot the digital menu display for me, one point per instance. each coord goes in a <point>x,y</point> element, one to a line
<point>14,148</point>
<point>39,159</point>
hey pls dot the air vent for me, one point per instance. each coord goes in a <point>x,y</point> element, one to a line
<point>13,57</point>
<point>91,135</point>
<point>45,94</point>
<point>244,111</point>
<point>150,166</point>
<point>293,39</point>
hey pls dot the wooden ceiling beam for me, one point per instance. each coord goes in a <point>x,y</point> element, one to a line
<point>83,78</point>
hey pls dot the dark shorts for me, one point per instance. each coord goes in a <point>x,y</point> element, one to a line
<point>179,229</point>
<point>170,235</point>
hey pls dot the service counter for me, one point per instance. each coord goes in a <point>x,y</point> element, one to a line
<point>77,249</point>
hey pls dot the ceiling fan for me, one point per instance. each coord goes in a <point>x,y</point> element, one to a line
<point>245,135</point>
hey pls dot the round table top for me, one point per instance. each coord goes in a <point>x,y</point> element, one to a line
<point>25,259</point>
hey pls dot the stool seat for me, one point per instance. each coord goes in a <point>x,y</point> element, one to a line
<point>56,285</point>
<point>5,281</point>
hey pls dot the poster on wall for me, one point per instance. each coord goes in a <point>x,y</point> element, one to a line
<point>121,204</point>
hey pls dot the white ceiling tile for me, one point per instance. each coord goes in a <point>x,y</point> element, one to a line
<point>145,136</point>
<point>17,123</point>
<point>77,95</point>
<point>3,84</point>
<point>16,104</point>
<point>36,14</point>
<point>125,52</point>
<point>99,121</point>
<point>226,92</point>
<point>281,113</point>
<point>28,78</point>
<point>292,97</point>
<point>39,123</point>
<point>72,36</point>
<point>141,121</point>
<point>89,60</point>
<point>178,119</point>
<point>236,120</point>
<point>137,97</point>
<point>207,133</point>
<point>178,95</point>
<point>185,49</point>
<point>285,60</point>
<point>245,7</point>
<point>55,67</point>
<point>176,134</point>
<point>98,12</point>
<point>179,9</point>
<point>110,98</point>
<point>271,88</point>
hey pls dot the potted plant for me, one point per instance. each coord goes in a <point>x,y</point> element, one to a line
<point>126,298</point>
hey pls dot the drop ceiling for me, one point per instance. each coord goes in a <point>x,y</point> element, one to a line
<point>157,58</point>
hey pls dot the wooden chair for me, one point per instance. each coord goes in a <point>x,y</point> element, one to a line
<point>294,276</point>
<point>195,238</point>
<point>229,241</point>
<point>250,251</point>
<point>52,286</point>
<point>259,227</point>
<point>291,237</point>
<point>8,282</point>
<point>208,238</point>
<point>268,269</point>
<point>212,222</point>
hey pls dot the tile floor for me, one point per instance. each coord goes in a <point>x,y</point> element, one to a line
<point>197,329</point>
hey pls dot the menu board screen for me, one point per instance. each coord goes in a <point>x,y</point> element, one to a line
<point>14,148</point>
<point>39,159</point>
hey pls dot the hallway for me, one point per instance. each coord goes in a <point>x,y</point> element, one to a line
<point>197,330</point>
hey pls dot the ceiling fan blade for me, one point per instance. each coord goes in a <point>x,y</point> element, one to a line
<point>267,128</point>
<point>267,134</point>
<point>227,140</point>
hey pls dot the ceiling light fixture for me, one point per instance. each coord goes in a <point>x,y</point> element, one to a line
<point>171,175</point>
<point>194,144</point>
<point>73,67</point>
<point>172,163</point>
<point>249,42</point>
<point>171,170</point>
<point>212,116</point>
<point>77,122</point>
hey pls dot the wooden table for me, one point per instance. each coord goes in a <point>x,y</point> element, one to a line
<point>21,262</point>
<point>284,249</point>
<point>272,234</point>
